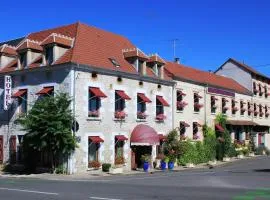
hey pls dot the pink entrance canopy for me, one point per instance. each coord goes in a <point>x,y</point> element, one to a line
<point>144,135</point>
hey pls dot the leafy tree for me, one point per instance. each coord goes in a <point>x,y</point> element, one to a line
<point>210,142</point>
<point>48,129</point>
<point>172,147</point>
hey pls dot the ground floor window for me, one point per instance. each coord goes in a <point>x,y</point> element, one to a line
<point>119,152</point>
<point>12,149</point>
<point>93,149</point>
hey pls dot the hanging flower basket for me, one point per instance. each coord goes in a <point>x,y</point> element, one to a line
<point>94,113</point>
<point>181,104</point>
<point>160,117</point>
<point>141,115</point>
<point>120,115</point>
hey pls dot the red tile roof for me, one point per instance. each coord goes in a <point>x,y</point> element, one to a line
<point>29,44</point>
<point>58,39</point>
<point>6,49</point>
<point>245,67</point>
<point>202,77</point>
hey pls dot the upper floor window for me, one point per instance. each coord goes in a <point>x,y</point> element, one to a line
<point>213,104</point>
<point>140,67</point>
<point>255,90</point>
<point>266,111</point>
<point>141,105</point>
<point>266,92</point>
<point>197,105</point>
<point>261,110</point>
<point>260,90</point>
<point>46,91</point>
<point>242,107</point>
<point>49,55</point>
<point>94,101</point>
<point>249,109</point>
<point>182,128</point>
<point>23,59</point>
<point>255,110</point>
<point>21,95</point>
<point>224,105</point>
<point>120,104</point>
<point>234,107</point>
<point>160,103</point>
<point>180,103</point>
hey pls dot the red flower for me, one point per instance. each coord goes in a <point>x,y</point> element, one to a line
<point>161,117</point>
<point>120,115</point>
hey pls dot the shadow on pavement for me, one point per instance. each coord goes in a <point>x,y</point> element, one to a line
<point>261,170</point>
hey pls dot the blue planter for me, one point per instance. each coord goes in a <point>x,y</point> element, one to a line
<point>163,165</point>
<point>170,165</point>
<point>145,166</point>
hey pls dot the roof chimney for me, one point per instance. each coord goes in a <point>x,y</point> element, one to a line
<point>177,60</point>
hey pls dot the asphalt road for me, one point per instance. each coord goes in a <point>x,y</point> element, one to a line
<point>244,179</point>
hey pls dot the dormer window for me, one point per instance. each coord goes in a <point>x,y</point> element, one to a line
<point>140,67</point>
<point>23,59</point>
<point>49,55</point>
<point>114,62</point>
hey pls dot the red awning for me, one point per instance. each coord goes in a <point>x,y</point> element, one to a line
<point>19,93</point>
<point>162,101</point>
<point>185,124</point>
<point>181,93</point>
<point>123,95</point>
<point>95,139</point>
<point>121,137</point>
<point>45,90</point>
<point>144,135</point>
<point>144,98</point>
<point>197,95</point>
<point>97,92</point>
<point>162,137</point>
<point>219,128</point>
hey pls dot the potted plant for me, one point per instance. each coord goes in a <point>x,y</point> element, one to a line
<point>159,159</point>
<point>171,162</point>
<point>163,163</point>
<point>94,164</point>
<point>106,167</point>
<point>146,160</point>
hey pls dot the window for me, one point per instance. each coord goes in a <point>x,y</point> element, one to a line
<point>224,105</point>
<point>20,149</point>
<point>266,91</point>
<point>49,55</point>
<point>197,105</point>
<point>93,149</point>
<point>160,103</point>
<point>46,91</point>
<point>120,104</point>
<point>266,111</point>
<point>243,110</point>
<point>179,100</point>
<point>159,107</point>
<point>182,129</point>
<point>195,130</point>
<point>255,110</point>
<point>255,90</point>
<point>114,62</point>
<point>159,70</point>
<point>23,104</point>
<point>213,104</point>
<point>12,149</point>
<point>141,105</point>
<point>234,107</point>
<point>119,152</point>
<point>249,109</point>
<point>23,59</point>
<point>140,67</point>
<point>94,104</point>
<point>260,90</point>
<point>261,110</point>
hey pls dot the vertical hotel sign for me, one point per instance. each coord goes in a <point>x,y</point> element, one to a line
<point>7,92</point>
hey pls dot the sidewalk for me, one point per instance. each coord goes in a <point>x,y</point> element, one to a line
<point>97,174</point>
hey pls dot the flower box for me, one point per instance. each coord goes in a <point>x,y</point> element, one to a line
<point>181,104</point>
<point>94,164</point>
<point>94,113</point>
<point>183,137</point>
<point>120,115</point>
<point>198,106</point>
<point>195,137</point>
<point>160,117</point>
<point>141,115</point>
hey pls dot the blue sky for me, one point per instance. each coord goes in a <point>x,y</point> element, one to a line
<point>208,32</point>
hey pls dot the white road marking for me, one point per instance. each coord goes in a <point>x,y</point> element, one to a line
<point>101,198</point>
<point>29,191</point>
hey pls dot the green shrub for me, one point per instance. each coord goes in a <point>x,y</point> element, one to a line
<point>245,151</point>
<point>190,153</point>
<point>106,167</point>
<point>232,152</point>
<point>172,148</point>
<point>210,143</point>
<point>259,150</point>
<point>60,170</point>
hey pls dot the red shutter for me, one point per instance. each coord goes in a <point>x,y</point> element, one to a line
<point>1,149</point>
<point>12,149</point>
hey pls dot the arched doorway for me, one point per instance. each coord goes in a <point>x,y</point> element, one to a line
<point>143,141</point>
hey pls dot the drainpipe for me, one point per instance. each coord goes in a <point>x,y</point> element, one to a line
<point>205,115</point>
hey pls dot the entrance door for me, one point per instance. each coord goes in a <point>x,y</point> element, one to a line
<point>142,150</point>
<point>1,149</point>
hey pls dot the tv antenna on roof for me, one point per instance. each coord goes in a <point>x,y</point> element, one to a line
<point>174,41</point>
